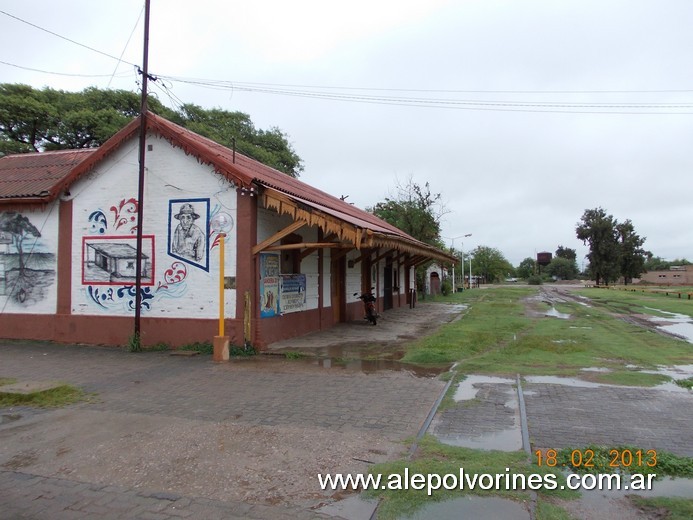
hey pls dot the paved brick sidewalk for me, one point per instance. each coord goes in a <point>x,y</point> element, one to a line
<point>167,431</point>
<point>562,416</point>
<point>32,497</point>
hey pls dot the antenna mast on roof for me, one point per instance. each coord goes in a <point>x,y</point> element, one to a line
<point>140,183</point>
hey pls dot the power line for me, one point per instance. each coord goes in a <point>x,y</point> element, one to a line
<point>63,37</point>
<point>444,91</point>
<point>343,93</point>
<point>60,73</point>
<point>126,46</point>
<point>460,104</point>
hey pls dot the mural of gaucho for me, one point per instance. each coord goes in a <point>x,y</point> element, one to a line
<point>188,239</point>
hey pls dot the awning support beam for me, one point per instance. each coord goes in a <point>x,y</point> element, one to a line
<point>278,236</point>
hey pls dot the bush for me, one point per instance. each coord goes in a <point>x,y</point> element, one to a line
<point>446,287</point>
<point>535,279</point>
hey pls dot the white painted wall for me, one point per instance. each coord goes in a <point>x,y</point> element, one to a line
<point>37,291</point>
<point>327,278</point>
<point>182,287</point>
<point>268,223</point>
<point>353,277</point>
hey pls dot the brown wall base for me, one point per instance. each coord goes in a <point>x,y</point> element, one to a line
<point>175,332</point>
<point>114,330</point>
<point>287,326</point>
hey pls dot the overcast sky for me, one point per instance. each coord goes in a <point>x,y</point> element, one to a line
<point>522,114</point>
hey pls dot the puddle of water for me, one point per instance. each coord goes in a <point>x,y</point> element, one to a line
<point>479,508</point>
<point>555,314</point>
<point>675,372</point>
<point>666,487</point>
<point>567,381</point>
<point>467,391</point>
<point>684,330</point>
<point>367,359</point>
<point>371,366</point>
<point>562,341</point>
<point>350,508</point>
<point>596,369</point>
<point>509,439</point>
<point>504,440</point>
<point>579,383</point>
<point>678,324</point>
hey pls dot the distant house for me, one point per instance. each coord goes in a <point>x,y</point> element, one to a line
<point>294,255</point>
<point>676,275</point>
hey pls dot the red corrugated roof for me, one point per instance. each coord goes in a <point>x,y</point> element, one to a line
<point>37,175</point>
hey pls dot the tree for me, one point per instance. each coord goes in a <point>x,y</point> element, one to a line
<point>632,254</point>
<point>526,268</point>
<point>615,248</point>
<point>270,147</point>
<point>599,231</point>
<point>415,210</point>
<point>19,227</point>
<point>562,268</point>
<point>657,263</point>
<point>33,120</point>
<point>566,252</point>
<point>490,264</point>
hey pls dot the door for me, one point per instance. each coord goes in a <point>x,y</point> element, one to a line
<point>387,286</point>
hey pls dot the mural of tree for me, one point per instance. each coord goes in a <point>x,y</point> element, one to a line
<point>20,228</point>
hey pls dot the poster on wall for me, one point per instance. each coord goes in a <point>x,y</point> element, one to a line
<point>269,285</point>
<point>188,231</point>
<point>293,293</point>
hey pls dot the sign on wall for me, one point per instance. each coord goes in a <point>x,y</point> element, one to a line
<point>293,293</point>
<point>269,285</point>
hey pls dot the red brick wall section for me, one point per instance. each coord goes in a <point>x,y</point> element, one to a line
<point>64,263</point>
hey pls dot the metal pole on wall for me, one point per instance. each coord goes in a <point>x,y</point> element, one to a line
<point>221,283</point>
<point>140,181</point>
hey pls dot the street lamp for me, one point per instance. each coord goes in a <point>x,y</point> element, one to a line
<point>221,223</point>
<point>454,289</point>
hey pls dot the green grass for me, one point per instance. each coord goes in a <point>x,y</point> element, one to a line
<point>203,347</point>
<point>497,336</point>
<point>548,511</point>
<point>433,457</point>
<point>56,397</point>
<point>665,508</point>
<point>624,301</point>
<point>624,459</point>
<point>493,317</point>
<point>685,383</point>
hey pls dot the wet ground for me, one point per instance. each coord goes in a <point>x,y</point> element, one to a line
<point>168,437</point>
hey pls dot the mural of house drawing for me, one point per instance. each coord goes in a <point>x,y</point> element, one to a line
<point>117,261</point>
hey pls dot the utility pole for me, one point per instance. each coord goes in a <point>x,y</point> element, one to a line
<point>140,184</point>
